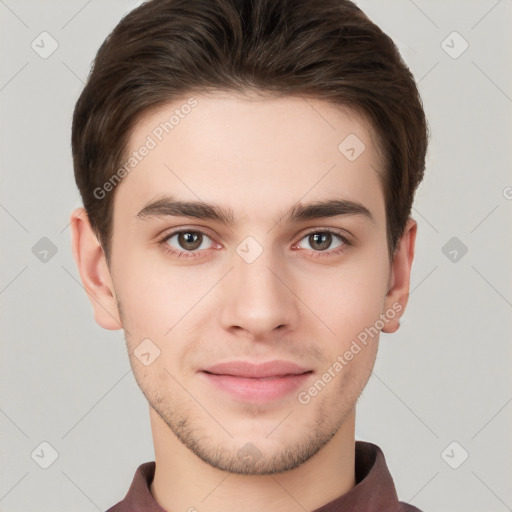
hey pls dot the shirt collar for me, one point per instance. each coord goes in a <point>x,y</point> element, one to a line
<point>374,490</point>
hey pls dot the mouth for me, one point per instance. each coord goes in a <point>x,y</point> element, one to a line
<point>252,382</point>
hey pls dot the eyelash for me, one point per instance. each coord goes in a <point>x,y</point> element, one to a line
<point>189,254</point>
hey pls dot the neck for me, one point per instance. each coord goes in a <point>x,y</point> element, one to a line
<point>182,481</point>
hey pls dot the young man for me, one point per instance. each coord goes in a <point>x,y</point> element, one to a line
<point>247,170</point>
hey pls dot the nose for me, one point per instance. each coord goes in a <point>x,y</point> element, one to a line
<point>258,297</point>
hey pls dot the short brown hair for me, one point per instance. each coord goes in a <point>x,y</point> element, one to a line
<point>325,49</point>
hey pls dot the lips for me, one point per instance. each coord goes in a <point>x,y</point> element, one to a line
<point>248,370</point>
<point>249,382</point>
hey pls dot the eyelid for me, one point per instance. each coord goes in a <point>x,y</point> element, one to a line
<point>346,235</point>
<point>170,232</point>
<point>177,231</point>
<point>198,253</point>
<point>343,234</point>
<point>345,243</point>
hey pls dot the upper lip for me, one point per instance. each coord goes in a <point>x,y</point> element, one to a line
<point>252,370</point>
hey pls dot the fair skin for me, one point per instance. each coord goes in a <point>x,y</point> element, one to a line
<point>303,300</point>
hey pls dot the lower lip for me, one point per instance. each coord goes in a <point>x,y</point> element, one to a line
<point>259,390</point>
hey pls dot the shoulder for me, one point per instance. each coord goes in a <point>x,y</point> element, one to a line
<point>118,507</point>
<point>405,507</point>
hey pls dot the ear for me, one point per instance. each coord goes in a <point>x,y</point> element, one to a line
<point>92,267</point>
<point>398,289</point>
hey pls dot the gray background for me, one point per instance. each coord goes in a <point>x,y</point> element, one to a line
<point>443,378</point>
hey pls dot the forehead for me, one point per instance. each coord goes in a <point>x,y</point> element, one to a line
<point>252,153</point>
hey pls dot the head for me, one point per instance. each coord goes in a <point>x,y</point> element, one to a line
<point>297,132</point>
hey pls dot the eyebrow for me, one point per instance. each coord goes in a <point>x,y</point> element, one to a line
<point>168,206</point>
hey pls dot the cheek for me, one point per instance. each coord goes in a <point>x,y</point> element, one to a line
<point>350,306</point>
<point>339,301</point>
<point>351,298</point>
<point>153,298</point>
<point>163,305</point>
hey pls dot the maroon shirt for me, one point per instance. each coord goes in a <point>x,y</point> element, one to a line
<point>374,490</point>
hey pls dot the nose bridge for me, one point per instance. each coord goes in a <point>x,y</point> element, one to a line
<point>256,296</point>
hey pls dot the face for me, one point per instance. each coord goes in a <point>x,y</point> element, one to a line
<point>240,317</point>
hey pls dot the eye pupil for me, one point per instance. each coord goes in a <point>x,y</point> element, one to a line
<point>323,239</point>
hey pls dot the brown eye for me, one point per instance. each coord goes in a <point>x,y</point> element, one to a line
<point>187,240</point>
<point>323,241</point>
<point>320,241</point>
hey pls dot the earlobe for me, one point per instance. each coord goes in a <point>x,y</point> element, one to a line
<point>398,292</point>
<point>94,273</point>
